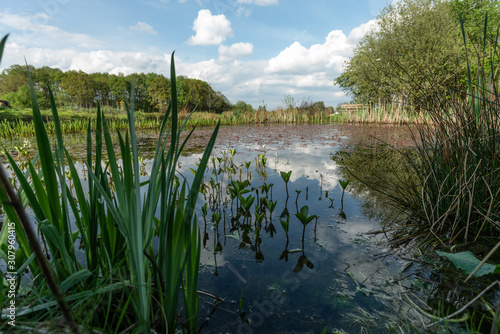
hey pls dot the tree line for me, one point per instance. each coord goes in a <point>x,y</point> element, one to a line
<point>417,47</point>
<point>78,89</point>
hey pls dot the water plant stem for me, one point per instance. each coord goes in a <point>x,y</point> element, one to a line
<point>13,201</point>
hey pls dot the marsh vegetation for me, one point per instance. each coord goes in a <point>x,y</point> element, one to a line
<point>277,227</point>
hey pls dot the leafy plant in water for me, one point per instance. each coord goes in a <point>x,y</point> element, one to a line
<point>270,205</point>
<point>286,177</point>
<point>247,202</point>
<point>343,185</point>
<point>303,216</point>
<point>247,166</point>
<point>238,188</point>
<point>285,224</point>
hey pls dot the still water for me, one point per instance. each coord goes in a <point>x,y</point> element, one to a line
<point>333,272</point>
<point>336,276</point>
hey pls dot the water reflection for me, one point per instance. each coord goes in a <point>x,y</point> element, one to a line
<point>302,276</point>
<point>294,276</point>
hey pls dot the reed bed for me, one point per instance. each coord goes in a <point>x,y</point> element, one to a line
<point>384,114</point>
<point>450,191</point>
<point>76,122</point>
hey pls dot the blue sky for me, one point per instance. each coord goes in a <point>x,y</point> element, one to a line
<point>257,51</point>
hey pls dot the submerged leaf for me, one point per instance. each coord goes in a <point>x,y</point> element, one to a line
<point>468,262</point>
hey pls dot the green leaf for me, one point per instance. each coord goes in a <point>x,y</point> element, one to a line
<point>303,215</point>
<point>285,224</point>
<point>344,184</point>
<point>468,262</point>
<point>286,176</point>
<point>73,279</point>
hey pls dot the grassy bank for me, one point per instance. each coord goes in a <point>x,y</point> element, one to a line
<point>19,122</point>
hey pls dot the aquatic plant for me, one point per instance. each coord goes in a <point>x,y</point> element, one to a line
<point>285,224</point>
<point>452,185</point>
<point>116,224</point>
<point>343,185</point>
<point>286,177</point>
<point>304,218</point>
<point>468,262</point>
<point>247,202</point>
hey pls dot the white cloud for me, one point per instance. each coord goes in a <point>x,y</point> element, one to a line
<point>357,33</point>
<point>259,2</point>
<point>210,29</point>
<point>237,50</point>
<point>319,57</point>
<point>306,72</point>
<point>142,26</point>
<point>90,62</point>
<point>243,11</point>
<point>34,29</point>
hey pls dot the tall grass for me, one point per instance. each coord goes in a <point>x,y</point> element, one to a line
<point>454,191</point>
<point>383,114</point>
<point>134,286</point>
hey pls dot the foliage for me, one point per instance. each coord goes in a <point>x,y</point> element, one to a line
<point>415,45</point>
<point>158,92</point>
<point>116,221</point>
<point>241,106</point>
<point>452,184</point>
<point>468,262</point>
<point>84,90</point>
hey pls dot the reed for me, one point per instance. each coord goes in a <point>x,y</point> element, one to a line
<point>392,113</point>
<point>452,185</point>
<point>115,221</point>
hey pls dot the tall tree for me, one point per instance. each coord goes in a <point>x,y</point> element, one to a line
<point>158,92</point>
<point>13,78</point>
<point>415,46</point>
<point>119,87</point>
<point>79,88</point>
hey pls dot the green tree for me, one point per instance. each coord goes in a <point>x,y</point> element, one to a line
<point>414,46</point>
<point>158,93</point>
<point>473,15</point>
<point>19,99</point>
<point>101,86</point>
<point>46,77</point>
<point>220,103</point>
<point>241,106</point>
<point>13,78</point>
<point>79,88</point>
<point>138,80</point>
<point>119,89</point>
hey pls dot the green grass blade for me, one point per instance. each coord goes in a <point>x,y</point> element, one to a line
<point>46,157</point>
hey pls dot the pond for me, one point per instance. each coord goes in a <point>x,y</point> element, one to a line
<point>331,272</point>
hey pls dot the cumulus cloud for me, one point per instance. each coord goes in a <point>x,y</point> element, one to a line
<point>210,29</point>
<point>35,28</point>
<point>142,26</point>
<point>307,72</point>
<point>330,55</point>
<point>90,62</point>
<point>237,50</point>
<point>357,33</point>
<point>259,2</point>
